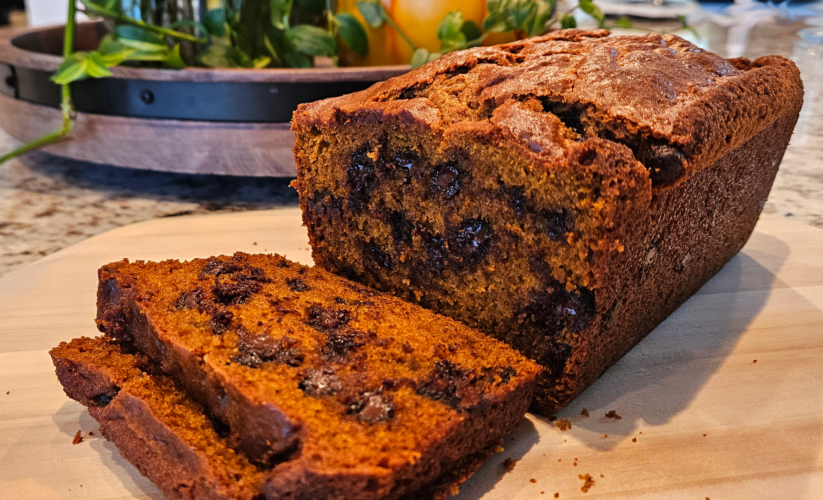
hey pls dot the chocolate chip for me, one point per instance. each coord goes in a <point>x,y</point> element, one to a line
<point>373,407</point>
<point>376,255</point>
<point>447,179</point>
<point>325,319</point>
<point>472,241</point>
<point>447,382</point>
<point>401,228</point>
<point>406,162</point>
<point>555,308</point>
<point>555,223</point>
<point>320,382</point>
<point>341,342</point>
<point>104,399</point>
<point>435,250</point>
<point>407,348</point>
<point>220,321</point>
<point>516,198</point>
<point>665,163</point>
<point>361,177</point>
<point>190,299</point>
<point>236,286</point>
<point>297,285</point>
<point>254,350</point>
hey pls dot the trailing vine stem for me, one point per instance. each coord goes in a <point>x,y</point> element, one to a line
<point>66,104</point>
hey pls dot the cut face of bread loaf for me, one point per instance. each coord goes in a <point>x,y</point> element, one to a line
<point>563,194</point>
<point>338,390</point>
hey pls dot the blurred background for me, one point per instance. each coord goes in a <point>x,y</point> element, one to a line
<point>49,202</point>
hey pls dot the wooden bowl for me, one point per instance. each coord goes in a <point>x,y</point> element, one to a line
<point>195,120</point>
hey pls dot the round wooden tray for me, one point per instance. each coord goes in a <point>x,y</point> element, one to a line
<point>205,121</point>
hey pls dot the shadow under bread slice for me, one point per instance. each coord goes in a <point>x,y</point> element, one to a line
<point>168,437</point>
<point>344,391</point>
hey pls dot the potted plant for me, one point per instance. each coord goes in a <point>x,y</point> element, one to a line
<point>160,87</point>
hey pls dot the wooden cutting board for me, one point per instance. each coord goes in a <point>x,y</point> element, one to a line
<point>700,418</point>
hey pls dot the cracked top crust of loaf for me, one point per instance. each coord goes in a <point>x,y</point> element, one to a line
<point>677,106</point>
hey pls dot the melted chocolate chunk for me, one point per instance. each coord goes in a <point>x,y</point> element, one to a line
<point>190,299</point>
<point>373,407</point>
<point>375,254</point>
<point>254,350</point>
<point>516,198</point>
<point>451,384</point>
<point>361,177</point>
<point>406,163</point>
<point>320,382</point>
<point>341,342</point>
<point>447,179</point>
<point>401,228</point>
<point>104,399</point>
<point>555,359</point>
<point>472,241</point>
<point>436,252</point>
<point>297,285</point>
<point>326,206</point>
<point>325,319</point>
<point>665,163</point>
<point>555,223</point>
<point>555,308</point>
<point>222,430</point>
<point>234,285</point>
<point>220,321</point>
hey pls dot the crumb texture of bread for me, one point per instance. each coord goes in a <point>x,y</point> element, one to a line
<point>331,389</point>
<point>563,194</point>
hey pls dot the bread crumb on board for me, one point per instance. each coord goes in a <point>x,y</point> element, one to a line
<point>78,438</point>
<point>634,440</point>
<point>563,424</point>
<point>585,413</point>
<point>508,464</point>
<point>613,414</point>
<point>588,482</point>
<point>532,480</point>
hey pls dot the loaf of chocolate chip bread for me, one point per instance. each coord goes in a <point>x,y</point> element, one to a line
<point>331,389</point>
<point>564,193</point>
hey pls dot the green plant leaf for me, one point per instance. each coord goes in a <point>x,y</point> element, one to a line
<point>593,10</point>
<point>280,10</point>
<point>471,30</point>
<point>114,52</point>
<point>311,40</point>
<point>173,59</point>
<point>449,31</point>
<point>542,14</point>
<point>372,12</point>
<point>498,19</point>
<point>419,58</point>
<point>79,66</point>
<point>128,32</point>
<point>623,22</point>
<point>520,12</point>
<point>224,56</point>
<point>352,33</point>
<point>215,22</point>
<point>297,60</point>
<point>568,21</point>
<point>261,62</point>
<point>193,24</point>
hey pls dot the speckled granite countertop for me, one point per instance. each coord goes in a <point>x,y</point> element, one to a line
<point>47,203</point>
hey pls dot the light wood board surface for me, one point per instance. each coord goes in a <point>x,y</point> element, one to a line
<point>708,421</point>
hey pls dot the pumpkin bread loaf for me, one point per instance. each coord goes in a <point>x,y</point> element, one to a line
<point>564,193</point>
<point>332,389</point>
